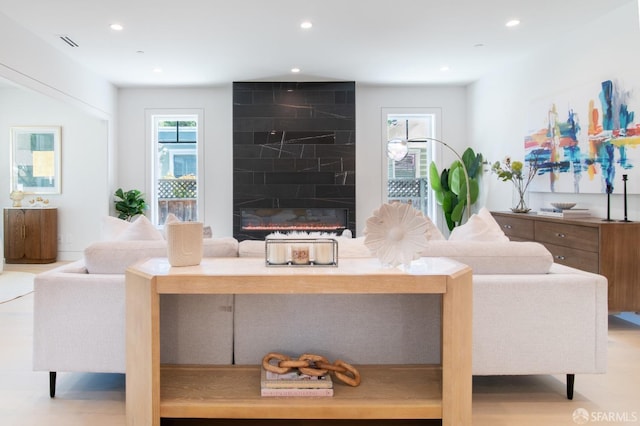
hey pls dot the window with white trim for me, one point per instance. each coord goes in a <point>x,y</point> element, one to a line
<point>175,167</point>
<point>407,178</point>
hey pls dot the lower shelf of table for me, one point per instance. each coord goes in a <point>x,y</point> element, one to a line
<point>386,392</point>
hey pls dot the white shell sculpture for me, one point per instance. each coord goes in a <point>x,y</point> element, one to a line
<point>396,233</point>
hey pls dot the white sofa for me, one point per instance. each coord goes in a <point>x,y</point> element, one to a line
<point>530,316</point>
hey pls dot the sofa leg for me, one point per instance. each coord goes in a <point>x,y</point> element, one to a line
<point>571,378</point>
<point>52,384</point>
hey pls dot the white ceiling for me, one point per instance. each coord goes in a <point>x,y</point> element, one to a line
<point>208,42</point>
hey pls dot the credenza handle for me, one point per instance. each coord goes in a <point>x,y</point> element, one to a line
<point>506,226</point>
<point>560,257</point>
<point>560,235</point>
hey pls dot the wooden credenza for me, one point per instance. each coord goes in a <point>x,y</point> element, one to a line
<point>30,235</point>
<point>607,248</point>
<point>386,392</point>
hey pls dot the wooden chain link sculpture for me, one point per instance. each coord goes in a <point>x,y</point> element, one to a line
<point>312,365</point>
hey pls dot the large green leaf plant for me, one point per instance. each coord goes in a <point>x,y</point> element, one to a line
<point>450,186</point>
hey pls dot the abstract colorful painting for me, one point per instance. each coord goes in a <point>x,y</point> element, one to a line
<point>584,141</point>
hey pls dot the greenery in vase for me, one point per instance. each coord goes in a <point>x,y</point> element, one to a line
<point>450,186</point>
<point>131,203</point>
<point>513,171</point>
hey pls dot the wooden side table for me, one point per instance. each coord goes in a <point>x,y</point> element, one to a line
<point>391,392</point>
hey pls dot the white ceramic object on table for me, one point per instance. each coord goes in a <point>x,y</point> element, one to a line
<point>563,206</point>
<point>396,233</point>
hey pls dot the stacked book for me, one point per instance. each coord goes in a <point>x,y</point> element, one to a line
<point>295,384</point>
<point>564,213</point>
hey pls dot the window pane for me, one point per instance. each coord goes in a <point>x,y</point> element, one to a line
<point>176,167</point>
<point>408,178</point>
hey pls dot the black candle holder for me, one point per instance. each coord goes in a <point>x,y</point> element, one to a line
<point>609,191</point>
<point>624,181</point>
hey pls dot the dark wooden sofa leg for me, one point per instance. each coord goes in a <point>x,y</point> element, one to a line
<point>571,378</point>
<point>52,384</point>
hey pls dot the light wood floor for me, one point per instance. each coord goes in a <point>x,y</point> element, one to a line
<point>98,399</point>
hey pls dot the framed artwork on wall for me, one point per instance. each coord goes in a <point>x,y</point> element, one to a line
<point>584,140</point>
<point>35,159</point>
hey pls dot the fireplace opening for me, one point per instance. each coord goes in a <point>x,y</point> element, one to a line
<point>294,219</point>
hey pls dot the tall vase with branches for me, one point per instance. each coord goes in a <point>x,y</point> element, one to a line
<point>513,171</point>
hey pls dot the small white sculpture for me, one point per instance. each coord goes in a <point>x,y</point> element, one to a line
<point>17,197</point>
<point>396,233</point>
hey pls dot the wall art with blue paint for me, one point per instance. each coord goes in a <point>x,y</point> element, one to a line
<point>585,140</point>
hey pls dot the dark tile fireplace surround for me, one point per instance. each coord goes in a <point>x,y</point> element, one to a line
<point>293,151</point>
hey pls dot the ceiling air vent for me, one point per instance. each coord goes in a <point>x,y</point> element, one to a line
<point>68,40</point>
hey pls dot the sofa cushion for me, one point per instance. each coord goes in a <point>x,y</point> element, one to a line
<point>114,257</point>
<point>494,257</point>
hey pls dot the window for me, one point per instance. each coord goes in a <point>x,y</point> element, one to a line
<point>407,179</point>
<point>175,171</point>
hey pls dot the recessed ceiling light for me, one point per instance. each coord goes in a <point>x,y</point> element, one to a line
<point>478,45</point>
<point>157,70</point>
<point>294,70</point>
<point>444,68</point>
<point>116,27</point>
<point>306,25</point>
<point>513,23</point>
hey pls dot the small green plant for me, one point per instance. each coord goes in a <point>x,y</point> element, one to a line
<point>450,186</point>
<point>130,203</point>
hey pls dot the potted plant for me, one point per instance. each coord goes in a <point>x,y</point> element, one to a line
<point>130,203</point>
<point>450,186</point>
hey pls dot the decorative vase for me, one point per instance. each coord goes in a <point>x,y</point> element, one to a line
<point>519,198</point>
<point>17,197</point>
<point>184,243</point>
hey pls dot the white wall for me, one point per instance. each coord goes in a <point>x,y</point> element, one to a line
<point>29,61</point>
<point>84,142</point>
<point>217,106</point>
<point>497,104</point>
<point>134,146</point>
<point>58,91</point>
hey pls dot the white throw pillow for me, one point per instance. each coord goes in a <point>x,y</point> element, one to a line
<point>112,227</point>
<point>479,227</point>
<point>494,227</point>
<point>171,218</point>
<point>432,232</point>
<point>140,229</point>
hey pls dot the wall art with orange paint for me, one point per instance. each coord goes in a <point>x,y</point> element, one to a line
<point>584,141</point>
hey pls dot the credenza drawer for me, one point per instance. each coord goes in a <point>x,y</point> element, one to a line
<point>580,259</point>
<point>516,229</point>
<point>580,237</point>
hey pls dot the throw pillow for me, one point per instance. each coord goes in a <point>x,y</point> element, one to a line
<point>112,227</point>
<point>140,229</point>
<point>494,227</point>
<point>432,232</point>
<point>171,218</point>
<point>478,228</point>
